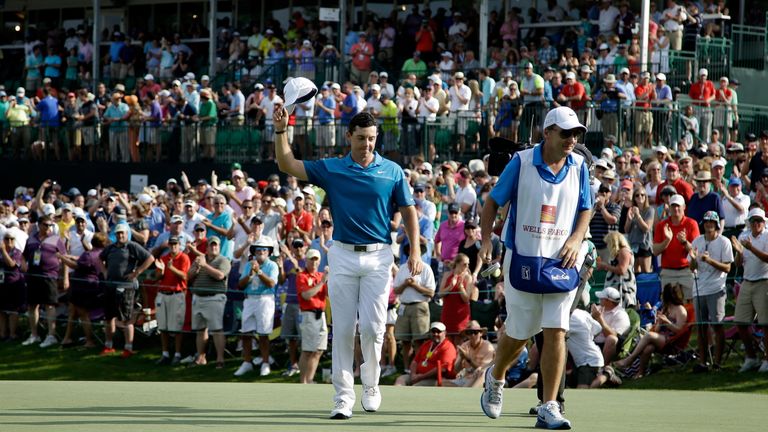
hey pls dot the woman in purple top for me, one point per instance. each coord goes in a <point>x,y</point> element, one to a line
<point>84,283</point>
<point>12,288</point>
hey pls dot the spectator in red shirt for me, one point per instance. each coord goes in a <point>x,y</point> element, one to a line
<point>703,93</point>
<point>675,180</point>
<point>298,220</point>
<point>170,302</point>
<point>644,95</point>
<point>424,367</point>
<point>573,93</point>
<point>361,53</point>
<point>312,290</point>
<point>672,239</point>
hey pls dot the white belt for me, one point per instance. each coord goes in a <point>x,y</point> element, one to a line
<point>361,248</point>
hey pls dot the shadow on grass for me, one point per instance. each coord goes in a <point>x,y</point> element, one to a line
<point>148,416</point>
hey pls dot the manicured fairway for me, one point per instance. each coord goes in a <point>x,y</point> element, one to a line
<point>174,406</point>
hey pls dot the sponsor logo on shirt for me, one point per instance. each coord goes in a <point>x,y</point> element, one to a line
<point>548,213</point>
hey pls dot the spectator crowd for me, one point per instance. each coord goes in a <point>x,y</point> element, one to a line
<point>224,258</point>
<point>167,112</point>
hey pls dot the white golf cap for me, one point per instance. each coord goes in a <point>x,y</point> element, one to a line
<point>149,77</point>
<point>661,77</point>
<point>660,149</point>
<point>602,163</point>
<point>375,87</point>
<point>609,293</point>
<point>624,71</point>
<point>703,71</point>
<point>570,75</point>
<point>49,209</point>
<point>298,90</point>
<point>677,199</point>
<point>205,78</point>
<point>336,86</point>
<point>565,118</point>
<point>756,212</point>
<point>437,325</point>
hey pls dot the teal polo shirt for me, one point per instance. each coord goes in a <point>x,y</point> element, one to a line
<point>363,200</point>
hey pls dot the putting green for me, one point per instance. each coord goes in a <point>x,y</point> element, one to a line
<point>152,406</point>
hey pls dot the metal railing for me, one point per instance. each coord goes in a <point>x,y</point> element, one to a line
<point>749,46</point>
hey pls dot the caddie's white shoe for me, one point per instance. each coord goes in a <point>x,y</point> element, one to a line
<point>491,399</point>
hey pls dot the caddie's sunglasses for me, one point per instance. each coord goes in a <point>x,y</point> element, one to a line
<point>565,134</point>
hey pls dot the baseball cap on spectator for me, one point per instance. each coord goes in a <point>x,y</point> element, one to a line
<point>635,159</point>
<point>176,83</point>
<point>419,187</point>
<point>564,118</point>
<point>718,163</point>
<point>335,86</point>
<point>49,209</point>
<point>144,199</point>
<point>735,148</point>
<point>610,78</point>
<point>189,203</point>
<point>177,219</point>
<point>307,190</point>
<point>383,75</point>
<point>585,68</point>
<point>214,240</point>
<point>672,166</point>
<point>627,184</point>
<point>624,71</point>
<point>570,75</point>
<point>122,227</point>
<point>164,93</point>
<point>119,88</point>
<point>171,181</point>
<point>149,77</point>
<point>375,87</point>
<point>703,72</point>
<point>668,190</point>
<point>446,54</point>
<point>22,210</point>
<point>92,192</point>
<point>79,213</point>
<point>313,254</point>
<point>756,212</point>
<point>609,293</point>
<point>238,173</point>
<point>173,240</point>
<point>269,31</point>
<point>46,80</point>
<point>609,174</point>
<point>528,66</point>
<point>661,77</point>
<point>458,75</point>
<point>205,78</point>
<point>426,166</point>
<point>734,181</point>
<point>73,192</point>
<point>279,202</point>
<point>20,91</point>
<point>3,93</point>
<point>453,208</point>
<point>684,159</point>
<point>189,76</point>
<point>677,199</point>
<point>660,149</point>
<point>202,182</point>
<point>437,325</point>
<point>603,46</point>
<point>602,163</point>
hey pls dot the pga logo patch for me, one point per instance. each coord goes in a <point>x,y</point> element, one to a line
<point>525,272</point>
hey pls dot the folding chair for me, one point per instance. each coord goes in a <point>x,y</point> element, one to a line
<point>632,335</point>
<point>648,291</point>
<point>676,351</point>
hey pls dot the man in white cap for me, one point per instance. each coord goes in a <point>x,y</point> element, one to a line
<point>541,280</point>
<point>752,252</point>
<point>459,95</point>
<point>711,256</point>
<point>362,187</point>
<point>672,239</point>
<point>532,92</point>
<point>702,92</point>
<point>614,320</point>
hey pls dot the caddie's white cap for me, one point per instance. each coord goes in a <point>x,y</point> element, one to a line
<point>677,199</point>
<point>298,90</point>
<point>565,118</point>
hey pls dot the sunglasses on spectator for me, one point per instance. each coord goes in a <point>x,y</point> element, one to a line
<point>473,332</point>
<point>247,207</point>
<point>565,134</point>
<point>639,195</point>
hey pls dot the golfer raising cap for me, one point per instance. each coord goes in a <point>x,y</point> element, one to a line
<point>544,229</point>
<point>364,191</point>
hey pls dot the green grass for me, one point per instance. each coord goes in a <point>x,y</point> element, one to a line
<point>170,407</point>
<point>74,364</point>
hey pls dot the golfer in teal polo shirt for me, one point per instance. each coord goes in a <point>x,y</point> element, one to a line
<point>364,190</point>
